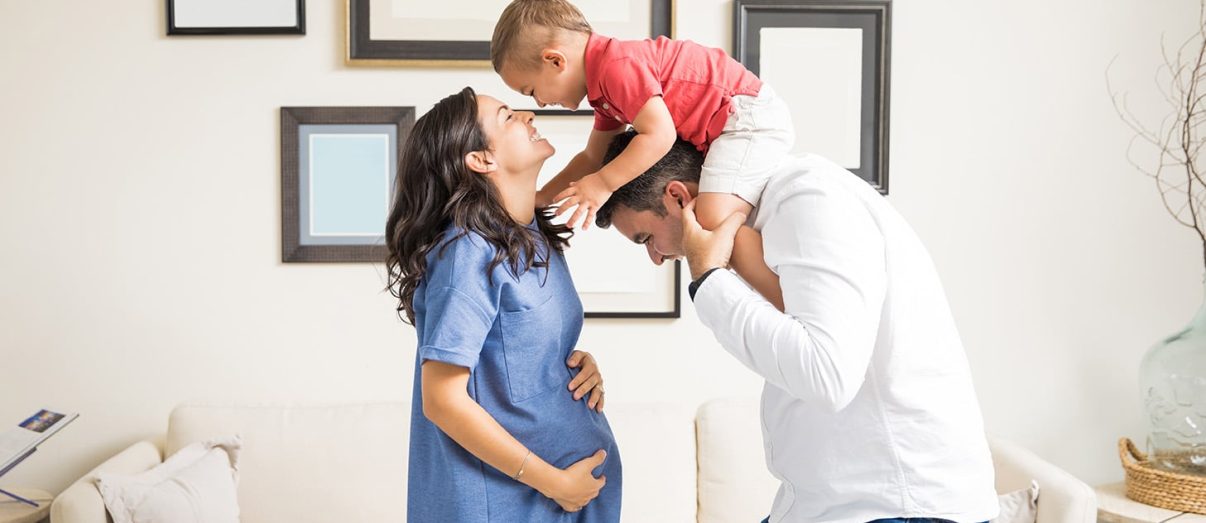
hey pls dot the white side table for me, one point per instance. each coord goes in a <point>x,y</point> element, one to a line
<point>13,511</point>
<point>1114,507</point>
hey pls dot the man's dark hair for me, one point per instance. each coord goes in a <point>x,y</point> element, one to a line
<point>644,193</point>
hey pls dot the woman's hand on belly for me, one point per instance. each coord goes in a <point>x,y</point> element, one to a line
<point>588,381</point>
<point>574,487</point>
<point>447,404</point>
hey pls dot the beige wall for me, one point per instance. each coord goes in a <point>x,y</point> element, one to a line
<point>139,215</point>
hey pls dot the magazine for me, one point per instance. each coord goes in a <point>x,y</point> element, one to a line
<point>18,442</point>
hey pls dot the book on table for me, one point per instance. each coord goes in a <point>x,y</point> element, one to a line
<point>19,441</point>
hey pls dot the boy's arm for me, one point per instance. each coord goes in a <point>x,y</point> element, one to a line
<point>585,162</point>
<point>655,136</point>
<point>447,404</point>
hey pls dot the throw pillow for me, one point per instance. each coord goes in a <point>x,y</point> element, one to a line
<point>1019,506</point>
<point>197,484</point>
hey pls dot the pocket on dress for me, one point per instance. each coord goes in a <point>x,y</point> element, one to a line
<point>532,351</point>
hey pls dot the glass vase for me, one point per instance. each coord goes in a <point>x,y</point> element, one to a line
<point>1172,381</point>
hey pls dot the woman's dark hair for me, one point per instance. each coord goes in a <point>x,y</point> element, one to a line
<point>435,190</point>
<point>644,193</point>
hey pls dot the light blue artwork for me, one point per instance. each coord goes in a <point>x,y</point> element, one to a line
<point>349,184</point>
<point>347,175</point>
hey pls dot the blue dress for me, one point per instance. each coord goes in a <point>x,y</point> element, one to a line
<point>514,334</point>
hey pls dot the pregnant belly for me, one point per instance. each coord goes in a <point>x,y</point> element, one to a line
<point>562,431</point>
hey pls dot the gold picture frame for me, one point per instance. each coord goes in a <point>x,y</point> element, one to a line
<point>362,49</point>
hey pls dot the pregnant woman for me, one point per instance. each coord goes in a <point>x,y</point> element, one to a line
<point>495,434</point>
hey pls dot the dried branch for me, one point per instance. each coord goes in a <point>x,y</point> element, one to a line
<point>1179,137</point>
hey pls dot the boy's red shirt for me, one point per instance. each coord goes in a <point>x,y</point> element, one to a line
<point>695,82</point>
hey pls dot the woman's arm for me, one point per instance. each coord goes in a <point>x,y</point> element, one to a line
<point>447,404</point>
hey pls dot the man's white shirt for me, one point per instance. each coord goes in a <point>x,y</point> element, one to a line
<point>868,411</point>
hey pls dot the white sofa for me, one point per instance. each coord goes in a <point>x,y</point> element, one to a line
<point>347,463</point>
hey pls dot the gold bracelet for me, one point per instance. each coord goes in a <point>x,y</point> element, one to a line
<point>521,466</point>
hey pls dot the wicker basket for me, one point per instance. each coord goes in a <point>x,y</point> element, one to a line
<point>1158,488</point>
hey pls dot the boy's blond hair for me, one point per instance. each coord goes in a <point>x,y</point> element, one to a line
<point>528,26</point>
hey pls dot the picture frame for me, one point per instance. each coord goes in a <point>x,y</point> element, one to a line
<point>236,17</point>
<point>448,33</point>
<point>830,62</point>
<point>614,277</point>
<point>338,166</point>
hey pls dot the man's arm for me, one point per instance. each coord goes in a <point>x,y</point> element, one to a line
<point>834,283</point>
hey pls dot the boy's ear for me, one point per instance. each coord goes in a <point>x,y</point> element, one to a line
<point>481,162</point>
<point>554,58</point>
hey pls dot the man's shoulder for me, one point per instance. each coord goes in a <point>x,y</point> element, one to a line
<point>812,188</point>
<point>812,174</point>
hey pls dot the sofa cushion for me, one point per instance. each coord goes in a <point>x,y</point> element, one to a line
<point>312,463</point>
<point>734,483</point>
<point>194,485</point>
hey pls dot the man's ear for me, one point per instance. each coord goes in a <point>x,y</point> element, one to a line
<point>481,162</point>
<point>676,195</point>
<point>554,58</point>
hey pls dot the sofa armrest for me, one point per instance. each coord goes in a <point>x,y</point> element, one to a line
<point>81,502</point>
<point>1062,497</point>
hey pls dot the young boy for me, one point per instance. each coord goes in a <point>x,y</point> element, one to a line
<point>665,89</point>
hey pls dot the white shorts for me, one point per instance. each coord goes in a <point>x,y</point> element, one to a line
<point>756,137</point>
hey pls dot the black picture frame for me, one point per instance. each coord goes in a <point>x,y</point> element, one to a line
<point>363,50</point>
<point>670,276</point>
<point>874,17</point>
<point>174,30</point>
<point>672,313</point>
<point>294,247</point>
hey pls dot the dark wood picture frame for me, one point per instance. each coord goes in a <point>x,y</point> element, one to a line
<point>291,119</point>
<point>874,16</point>
<point>298,29</point>
<point>363,50</point>
<point>675,311</point>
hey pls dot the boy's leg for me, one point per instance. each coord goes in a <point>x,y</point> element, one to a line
<point>756,137</point>
<point>711,209</point>
<point>748,261</point>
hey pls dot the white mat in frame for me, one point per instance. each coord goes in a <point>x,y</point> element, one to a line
<point>614,276</point>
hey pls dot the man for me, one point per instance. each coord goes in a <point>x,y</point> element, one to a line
<point>868,412</point>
